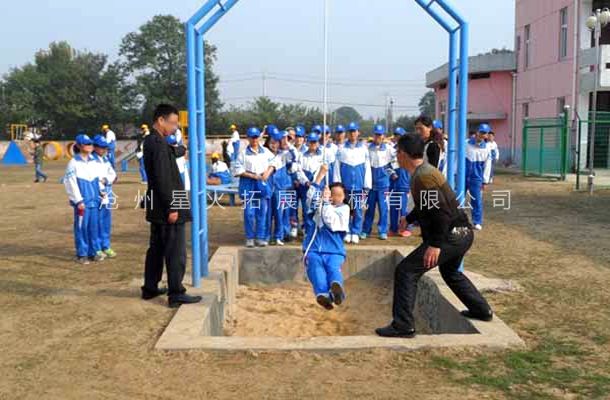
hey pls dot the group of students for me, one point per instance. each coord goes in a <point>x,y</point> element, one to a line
<point>88,181</point>
<point>333,181</point>
<point>275,178</point>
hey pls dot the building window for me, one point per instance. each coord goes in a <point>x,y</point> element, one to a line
<point>563,33</point>
<point>528,50</point>
<point>518,49</point>
<point>484,75</point>
<point>561,103</point>
<point>526,110</point>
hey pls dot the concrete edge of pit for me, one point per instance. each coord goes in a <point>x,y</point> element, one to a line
<point>200,326</point>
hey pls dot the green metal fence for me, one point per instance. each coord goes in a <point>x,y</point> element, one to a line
<point>601,149</point>
<point>545,147</point>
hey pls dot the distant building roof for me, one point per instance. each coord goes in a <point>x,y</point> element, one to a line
<point>490,62</point>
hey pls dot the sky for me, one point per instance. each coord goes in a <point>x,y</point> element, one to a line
<point>378,50</point>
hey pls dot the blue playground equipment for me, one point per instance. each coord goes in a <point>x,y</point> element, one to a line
<point>212,11</point>
<point>13,155</point>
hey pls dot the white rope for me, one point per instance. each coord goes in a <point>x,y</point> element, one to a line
<point>325,122</point>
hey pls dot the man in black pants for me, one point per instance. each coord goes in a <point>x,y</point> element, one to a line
<point>447,236</point>
<point>167,210</point>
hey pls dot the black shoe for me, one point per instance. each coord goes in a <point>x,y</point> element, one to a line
<point>337,291</point>
<point>148,295</point>
<point>482,317</point>
<point>325,302</point>
<point>177,301</point>
<point>392,332</point>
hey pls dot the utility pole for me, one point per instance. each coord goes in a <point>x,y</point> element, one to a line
<point>391,116</point>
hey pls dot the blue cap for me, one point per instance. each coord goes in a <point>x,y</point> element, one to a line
<point>278,135</point>
<point>339,129</point>
<point>172,140</point>
<point>327,129</point>
<point>437,124</point>
<point>353,126</point>
<point>100,141</point>
<point>379,129</point>
<point>253,132</point>
<point>300,131</point>
<point>313,137</point>
<point>484,128</point>
<point>317,128</point>
<point>400,131</point>
<point>83,140</point>
<point>271,129</point>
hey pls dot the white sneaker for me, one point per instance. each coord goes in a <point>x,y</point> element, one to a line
<point>278,242</point>
<point>355,239</point>
<point>348,238</point>
<point>262,243</point>
<point>294,232</point>
<point>478,227</point>
<point>250,243</point>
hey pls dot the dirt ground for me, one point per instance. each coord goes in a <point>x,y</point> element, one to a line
<point>81,332</point>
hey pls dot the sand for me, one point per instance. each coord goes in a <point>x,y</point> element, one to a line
<point>290,310</point>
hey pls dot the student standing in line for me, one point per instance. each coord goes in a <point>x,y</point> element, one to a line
<point>478,172</point>
<point>106,176</point>
<point>254,167</point>
<point>353,169</point>
<point>82,185</point>
<point>495,153</point>
<point>380,155</point>
<point>400,185</point>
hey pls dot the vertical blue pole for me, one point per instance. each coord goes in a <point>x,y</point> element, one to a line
<point>201,157</point>
<point>463,111</point>
<point>193,145</point>
<point>451,156</point>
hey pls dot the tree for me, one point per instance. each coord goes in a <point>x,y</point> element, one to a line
<point>66,90</point>
<point>156,56</point>
<point>427,104</point>
<point>344,115</point>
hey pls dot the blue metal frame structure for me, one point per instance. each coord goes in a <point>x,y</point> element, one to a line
<point>212,12</point>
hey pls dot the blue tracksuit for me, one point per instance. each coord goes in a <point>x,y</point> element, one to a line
<point>330,154</point>
<point>323,244</point>
<point>381,169</point>
<point>282,198</point>
<point>220,170</point>
<point>353,169</point>
<point>400,186</point>
<point>255,193</point>
<point>82,185</point>
<point>293,163</point>
<point>106,177</point>
<point>310,165</point>
<point>478,170</point>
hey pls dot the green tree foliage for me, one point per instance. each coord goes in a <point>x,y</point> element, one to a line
<point>66,90</point>
<point>344,115</point>
<point>427,104</point>
<point>155,55</point>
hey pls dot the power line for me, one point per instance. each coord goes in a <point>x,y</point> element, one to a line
<point>412,84</point>
<point>341,103</point>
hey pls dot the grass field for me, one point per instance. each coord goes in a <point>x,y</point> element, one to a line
<point>81,332</point>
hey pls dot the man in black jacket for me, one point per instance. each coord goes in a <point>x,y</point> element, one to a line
<point>447,236</point>
<point>167,210</point>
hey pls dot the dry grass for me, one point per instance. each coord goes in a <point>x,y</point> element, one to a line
<point>74,332</point>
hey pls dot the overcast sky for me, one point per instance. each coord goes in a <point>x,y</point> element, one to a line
<point>376,51</point>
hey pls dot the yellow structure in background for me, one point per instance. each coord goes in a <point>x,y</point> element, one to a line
<point>184,119</point>
<point>17,131</point>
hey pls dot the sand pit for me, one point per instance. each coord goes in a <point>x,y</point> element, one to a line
<point>290,310</point>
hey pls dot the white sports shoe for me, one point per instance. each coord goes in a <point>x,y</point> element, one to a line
<point>355,239</point>
<point>294,232</point>
<point>478,227</point>
<point>279,242</point>
<point>250,243</point>
<point>348,238</point>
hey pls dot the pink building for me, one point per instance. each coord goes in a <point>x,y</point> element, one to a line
<point>551,68</point>
<point>490,97</point>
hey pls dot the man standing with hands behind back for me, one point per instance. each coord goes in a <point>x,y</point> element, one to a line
<point>166,215</point>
